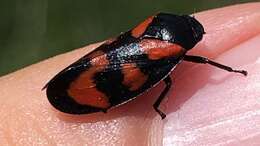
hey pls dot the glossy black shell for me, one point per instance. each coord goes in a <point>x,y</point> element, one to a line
<point>184,30</point>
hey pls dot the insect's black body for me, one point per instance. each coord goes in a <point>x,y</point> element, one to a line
<point>121,69</point>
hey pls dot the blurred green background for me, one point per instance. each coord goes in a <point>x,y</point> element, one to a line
<point>32,30</point>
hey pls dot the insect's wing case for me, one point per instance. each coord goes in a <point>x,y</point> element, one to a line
<point>114,73</point>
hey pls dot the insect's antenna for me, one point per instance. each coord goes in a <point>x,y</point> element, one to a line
<point>194,11</point>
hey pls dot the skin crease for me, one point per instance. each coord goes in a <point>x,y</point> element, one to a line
<point>205,106</point>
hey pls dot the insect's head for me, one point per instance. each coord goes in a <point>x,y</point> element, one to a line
<point>196,27</point>
<point>184,30</point>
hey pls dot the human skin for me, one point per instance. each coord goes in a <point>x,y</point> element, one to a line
<point>205,106</point>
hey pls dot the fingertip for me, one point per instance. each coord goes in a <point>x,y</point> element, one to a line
<point>227,27</point>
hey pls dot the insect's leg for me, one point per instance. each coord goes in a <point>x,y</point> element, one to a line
<point>199,59</point>
<point>168,83</point>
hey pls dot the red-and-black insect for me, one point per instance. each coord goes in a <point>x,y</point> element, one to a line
<point>123,68</point>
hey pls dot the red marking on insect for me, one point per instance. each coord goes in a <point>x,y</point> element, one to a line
<point>84,85</point>
<point>156,49</point>
<point>139,29</point>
